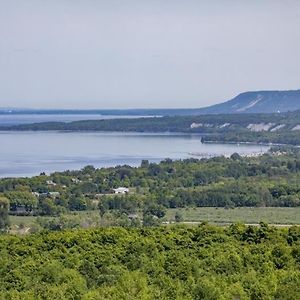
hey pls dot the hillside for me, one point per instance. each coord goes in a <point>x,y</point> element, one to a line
<point>248,102</point>
<point>282,128</point>
<point>275,122</point>
<point>258,102</point>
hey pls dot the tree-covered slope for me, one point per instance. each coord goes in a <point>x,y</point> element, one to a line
<point>181,263</point>
<point>268,128</point>
<point>258,102</point>
<point>248,102</point>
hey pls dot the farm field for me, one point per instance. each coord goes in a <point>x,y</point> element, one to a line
<point>249,215</point>
<point>217,216</point>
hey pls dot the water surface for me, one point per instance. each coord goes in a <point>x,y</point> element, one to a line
<point>29,153</point>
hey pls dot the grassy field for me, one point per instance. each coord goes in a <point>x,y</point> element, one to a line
<point>248,215</point>
<point>22,220</point>
<point>28,221</point>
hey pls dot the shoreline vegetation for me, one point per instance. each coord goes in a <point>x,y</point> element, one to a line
<point>218,189</point>
<point>280,128</point>
<point>142,233</point>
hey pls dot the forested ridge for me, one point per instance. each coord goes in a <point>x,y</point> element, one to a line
<point>277,128</point>
<point>203,262</point>
<point>166,123</point>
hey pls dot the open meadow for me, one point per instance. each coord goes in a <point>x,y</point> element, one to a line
<point>218,216</point>
<point>249,215</point>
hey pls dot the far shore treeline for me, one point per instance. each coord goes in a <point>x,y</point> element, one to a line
<point>280,128</point>
<point>270,180</point>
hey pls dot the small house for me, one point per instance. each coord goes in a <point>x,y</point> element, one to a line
<point>121,190</point>
<point>50,182</point>
<point>76,180</point>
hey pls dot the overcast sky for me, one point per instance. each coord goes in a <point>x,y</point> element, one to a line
<point>145,53</point>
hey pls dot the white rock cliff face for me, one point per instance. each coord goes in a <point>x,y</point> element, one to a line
<point>255,127</point>
<point>296,127</point>
<point>260,127</point>
<point>278,127</point>
<point>258,102</point>
<point>251,104</point>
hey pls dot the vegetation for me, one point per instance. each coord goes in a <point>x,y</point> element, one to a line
<point>248,215</point>
<point>287,137</point>
<point>282,216</point>
<point>270,180</point>
<point>219,128</point>
<point>125,254</point>
<point>201,262</point>
<point>4,220</point>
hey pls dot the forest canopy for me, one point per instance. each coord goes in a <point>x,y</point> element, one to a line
<point>203,262</point>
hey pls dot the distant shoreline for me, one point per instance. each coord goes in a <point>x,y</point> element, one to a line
<point>282,129</point>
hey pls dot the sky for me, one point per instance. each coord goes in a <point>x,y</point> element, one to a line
<point>145,54</point>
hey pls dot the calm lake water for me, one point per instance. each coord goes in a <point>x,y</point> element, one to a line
<point>29,153</point>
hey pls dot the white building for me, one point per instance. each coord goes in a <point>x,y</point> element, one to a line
<point>121,190</point>
<point>50,182</point>
<point>76,180</point>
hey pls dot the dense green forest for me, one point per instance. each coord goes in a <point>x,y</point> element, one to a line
<point>257,128</point>
<point>203,262</point>
<point>132,255</point>
<point>269,180</point>
<point>167,123</point>
<point>282,137</point>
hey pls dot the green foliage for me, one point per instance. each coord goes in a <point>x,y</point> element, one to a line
<point>22,198</point>
<point>4,217</point>
<point>271,180</point>
<point>203,262</point>
<point>178,217</point>
<point>236,129</point>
